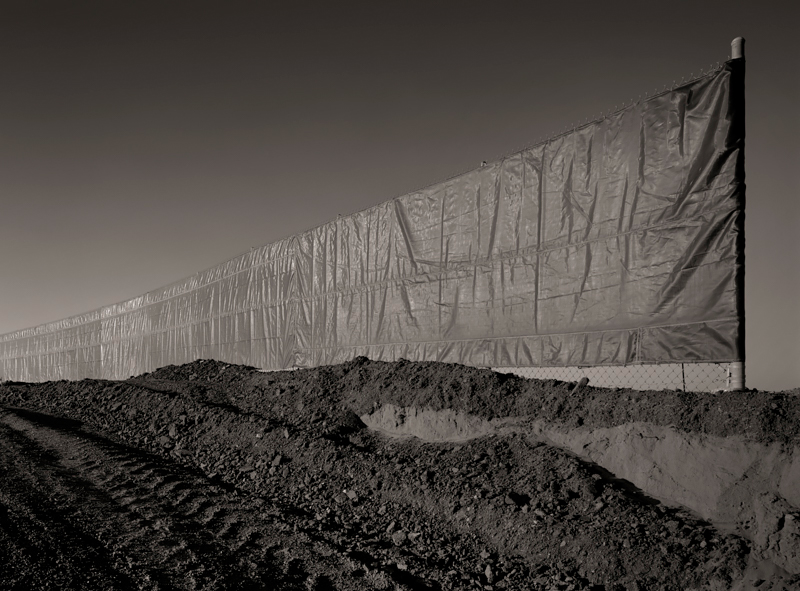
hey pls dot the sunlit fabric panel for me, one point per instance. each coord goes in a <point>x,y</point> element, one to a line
<point>619,242</point>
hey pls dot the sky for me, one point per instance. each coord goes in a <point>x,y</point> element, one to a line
<point>142,142</point>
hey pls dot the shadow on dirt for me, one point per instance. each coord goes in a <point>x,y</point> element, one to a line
<point>45,420</point>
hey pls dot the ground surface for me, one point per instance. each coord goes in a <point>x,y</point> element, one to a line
<point>214,476</point>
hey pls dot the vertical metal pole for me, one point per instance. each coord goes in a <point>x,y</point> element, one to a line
<point>683,376</point>
<point>736,376</point>
<point>737,48</point>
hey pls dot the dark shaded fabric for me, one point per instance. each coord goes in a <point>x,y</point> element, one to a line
<point>618,243</point>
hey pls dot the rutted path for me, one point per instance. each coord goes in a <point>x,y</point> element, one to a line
<point>132,520</point>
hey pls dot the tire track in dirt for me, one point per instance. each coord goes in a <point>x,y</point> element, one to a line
<point>42,547</point>
<point>145,522</point>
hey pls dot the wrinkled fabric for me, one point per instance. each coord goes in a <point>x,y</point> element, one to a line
<point>618,243</point>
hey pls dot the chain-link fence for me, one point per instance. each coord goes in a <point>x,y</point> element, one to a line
<point>689,377</point>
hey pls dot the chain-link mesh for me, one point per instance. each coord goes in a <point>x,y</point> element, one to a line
<point>689,377</point>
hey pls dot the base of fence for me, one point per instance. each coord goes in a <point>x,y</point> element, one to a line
<point>689,377</point>
<point>736,375</point>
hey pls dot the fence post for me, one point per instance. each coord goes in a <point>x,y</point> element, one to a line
<point>737,48</point>
<point>736,376</point>
<point>736,369</point>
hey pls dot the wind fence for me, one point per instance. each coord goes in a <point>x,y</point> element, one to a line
<point>610,249</point>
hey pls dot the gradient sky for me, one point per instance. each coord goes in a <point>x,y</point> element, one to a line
<point>142,142</point>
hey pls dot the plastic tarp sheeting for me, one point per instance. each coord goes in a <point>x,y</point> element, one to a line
<point>618,243</point>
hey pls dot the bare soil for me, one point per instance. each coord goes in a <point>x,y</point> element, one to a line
<point>216,476</point>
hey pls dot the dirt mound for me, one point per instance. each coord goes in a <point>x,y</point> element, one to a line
<point>496,512</point>
<point>364,385</point>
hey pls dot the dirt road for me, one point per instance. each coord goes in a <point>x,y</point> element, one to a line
<point>216,476</point>
<point>82,512</point>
